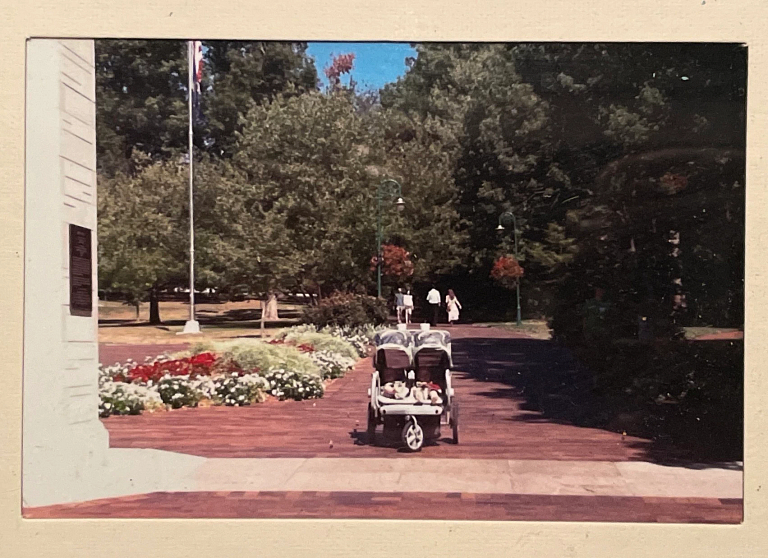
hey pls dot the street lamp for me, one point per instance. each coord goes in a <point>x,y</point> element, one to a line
<point>505,218</point>
<point>392,189</point>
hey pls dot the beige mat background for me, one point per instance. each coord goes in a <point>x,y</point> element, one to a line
<point>415,20</point>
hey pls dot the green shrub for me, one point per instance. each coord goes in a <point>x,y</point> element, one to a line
<point>120,399</point>
<point>238,391</point>
<point>347,310</point>
<point>261,356</point>
<point>177,392</point>
<point>285,384</point>
<point>322,342</point>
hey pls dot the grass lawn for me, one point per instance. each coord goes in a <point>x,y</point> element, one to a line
<point>697,332</point>
<point>537,329</point>
<point>228,320</point>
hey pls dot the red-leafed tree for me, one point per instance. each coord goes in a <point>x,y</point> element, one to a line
<point>395,262</point>
<point>507,271</point>
<point>340,65</point>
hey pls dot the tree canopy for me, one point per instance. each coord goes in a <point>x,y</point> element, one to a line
<point>623,164</point>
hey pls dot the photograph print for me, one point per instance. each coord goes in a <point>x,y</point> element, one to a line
<point>446,281</point>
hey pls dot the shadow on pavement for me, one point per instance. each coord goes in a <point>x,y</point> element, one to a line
<point>555,388</point>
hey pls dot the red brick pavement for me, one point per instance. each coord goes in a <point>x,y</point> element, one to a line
<point>400,505</point>
<point>495,423</point>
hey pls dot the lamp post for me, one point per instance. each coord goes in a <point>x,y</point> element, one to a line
<point>392,189</point>
<point>505,218</point>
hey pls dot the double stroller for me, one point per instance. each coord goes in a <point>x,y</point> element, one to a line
<point>411,392</point>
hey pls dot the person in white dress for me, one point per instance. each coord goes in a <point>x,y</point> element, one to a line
<point>453,306</point>
<point>408,301</point>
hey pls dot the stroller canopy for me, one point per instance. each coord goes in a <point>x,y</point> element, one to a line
<point>434,337</point>
<point>392,337</point>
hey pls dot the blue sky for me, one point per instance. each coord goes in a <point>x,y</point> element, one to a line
<point>376,64</point>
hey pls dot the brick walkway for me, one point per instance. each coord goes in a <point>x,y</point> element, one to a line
<point>495,420</point>
<point>404,505</point>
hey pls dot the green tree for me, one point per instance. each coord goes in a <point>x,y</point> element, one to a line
<point>497,133</point>
<point>144,229</point>
<point>141,93</point>
<point>306,162</point>
<point>140,101</point>
<point>241,74</point>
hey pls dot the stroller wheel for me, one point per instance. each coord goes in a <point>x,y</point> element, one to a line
<point>455,422</point>
<point>413,435</point>
<point>371,432</point>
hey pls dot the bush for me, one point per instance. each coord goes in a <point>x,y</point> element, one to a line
<point>321,341</point>
<point>690,392</point>
<point>117,398</point>
<point>258,356</point>
<point>332,365</point>
<point>233,390</point>
<point>292,385</point>
<point>177,392</point>
<point>359,337</point>
<point>347,310</point>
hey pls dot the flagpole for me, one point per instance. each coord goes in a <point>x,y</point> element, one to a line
<point>192,326</point>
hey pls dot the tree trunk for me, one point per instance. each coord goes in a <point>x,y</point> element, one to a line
<point>137,304</point>
<point>263,318</point>
<point>154,307</point>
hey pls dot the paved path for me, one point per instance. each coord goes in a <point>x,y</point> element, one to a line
<point>312,459</point>
<point>403,505</point>
<point>496,422</point>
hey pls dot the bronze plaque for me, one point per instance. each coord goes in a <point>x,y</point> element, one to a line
<point>80,272</point>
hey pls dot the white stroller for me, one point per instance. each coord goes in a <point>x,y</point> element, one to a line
<point>411,392</point>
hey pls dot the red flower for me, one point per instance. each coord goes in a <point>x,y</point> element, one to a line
<point>306,348</point>
<point>203,358</point>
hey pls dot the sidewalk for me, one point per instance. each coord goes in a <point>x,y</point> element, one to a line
<point>485,476</point>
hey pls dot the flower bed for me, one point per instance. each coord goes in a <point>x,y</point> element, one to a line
<point>293,366</point>
<point>359,338</point>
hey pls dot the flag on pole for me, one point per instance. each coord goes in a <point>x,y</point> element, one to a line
<point>197,76</point>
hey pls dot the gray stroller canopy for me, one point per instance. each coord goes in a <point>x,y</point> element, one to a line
<point>433,337</point>
<point>392,337</point>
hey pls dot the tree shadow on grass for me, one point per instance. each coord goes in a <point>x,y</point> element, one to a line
<point>235,319</point>
<point>555,388</point>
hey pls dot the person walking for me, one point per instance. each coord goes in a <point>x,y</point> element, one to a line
<point>408,303</point>
<point>400,305</point>
<point>433,298</point>
<point>453,306</point>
